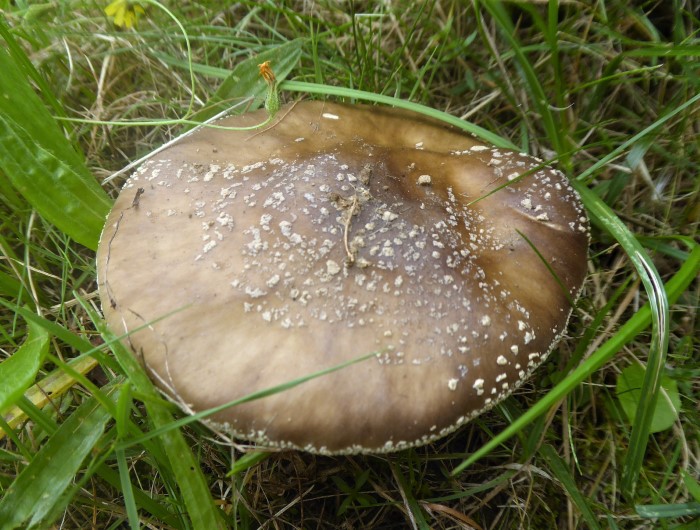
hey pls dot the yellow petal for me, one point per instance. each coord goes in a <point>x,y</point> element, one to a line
<point>112,8</point>
<point>119,17</point>
<point>129,19</point>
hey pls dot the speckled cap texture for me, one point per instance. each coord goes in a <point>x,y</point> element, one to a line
<point>241,260</point>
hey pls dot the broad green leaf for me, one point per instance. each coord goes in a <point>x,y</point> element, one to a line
<point>20,57</point>
<point>629,388</point>
<point>41,484</point>
<point>42,164</point>
<point>18,371</point>
<point>692,485</point>
<point>245,81</point>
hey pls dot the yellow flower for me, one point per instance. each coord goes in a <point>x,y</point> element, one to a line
<point>266,73</point>
<point>125,13</point>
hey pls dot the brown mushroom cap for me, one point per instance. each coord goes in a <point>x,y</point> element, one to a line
<point>240,260</point>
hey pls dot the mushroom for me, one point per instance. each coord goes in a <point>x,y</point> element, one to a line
<point>240,260</point>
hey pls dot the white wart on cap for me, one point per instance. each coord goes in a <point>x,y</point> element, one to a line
<point>238,261</point>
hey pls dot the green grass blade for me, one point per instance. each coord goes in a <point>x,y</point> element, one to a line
<point>40,486</point>
<point>41,163</point>
<point>602,162</point>
<point>185,466</point>
<point>49,388</point>
<point>635,325</point>
<point>692,486</point>
<point>312,88</point>
<point>245,399</point>
<point>122,417</point>
<point>669,511</point>
<point>143,500</point>
<point>203,69</point>
<point>65,335</point>
<point>538,97</point>
<point>563,475</point>
<point>186,469</point>
<point>415,513</point>
<point>10,287</point>
<point>248,460</point>
<point>18,372</point>
<point>127,490</point>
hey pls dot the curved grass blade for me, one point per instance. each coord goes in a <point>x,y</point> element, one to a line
<point>313,88</point>
<point>642,263</point>
<point>121,419</point>
<point>659,305</point>
<point>42,164</point>
<point>40,486</point>
<point>635,325</point>
<point>18,372</point>
<point>413,509</point>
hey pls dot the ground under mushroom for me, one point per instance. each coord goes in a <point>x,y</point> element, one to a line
<point>242,260</point>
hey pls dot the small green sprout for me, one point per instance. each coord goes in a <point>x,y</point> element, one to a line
<point>272,101</point>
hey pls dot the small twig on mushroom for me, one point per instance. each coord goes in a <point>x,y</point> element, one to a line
<point>137,198</point>
<point>346,228</point>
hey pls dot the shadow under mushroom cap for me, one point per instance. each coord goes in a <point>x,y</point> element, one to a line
<point>240,260</point>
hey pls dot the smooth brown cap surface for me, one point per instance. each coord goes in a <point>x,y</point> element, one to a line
<point>256,257</point>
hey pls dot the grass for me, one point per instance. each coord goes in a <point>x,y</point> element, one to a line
<point>608,90</point>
